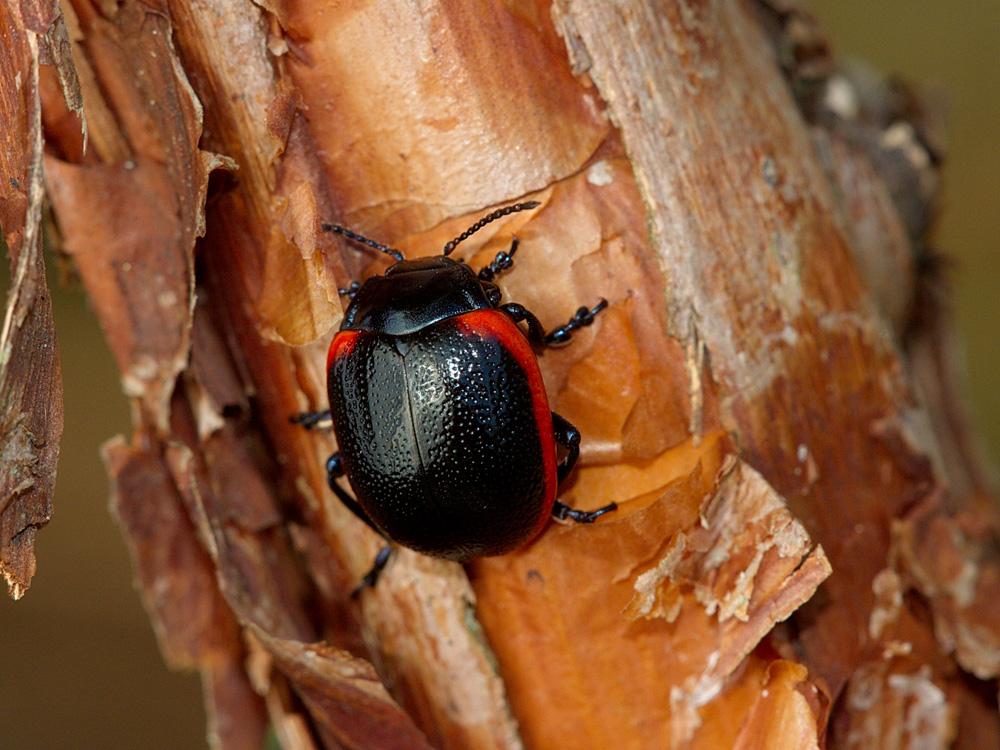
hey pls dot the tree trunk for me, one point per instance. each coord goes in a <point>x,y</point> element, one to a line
<point>804,550</point>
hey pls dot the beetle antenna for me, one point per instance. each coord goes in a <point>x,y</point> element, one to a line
<point>500,212</point>
<point>391,251</point>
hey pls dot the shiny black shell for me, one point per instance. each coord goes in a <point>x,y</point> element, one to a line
<point>440,417</point>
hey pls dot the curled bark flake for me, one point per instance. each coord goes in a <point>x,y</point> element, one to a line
<point>773,705</point>
<point>350,706</point>
<point>747,563</point>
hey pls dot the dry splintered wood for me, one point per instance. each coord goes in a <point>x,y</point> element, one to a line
<point>804,551</point>
<point>31,404</point>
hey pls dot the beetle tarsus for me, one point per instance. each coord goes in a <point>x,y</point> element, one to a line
<point>562,512</point>
<point>310,419</point>
<point>351,289</point>
<point>582,317</point>
<point>372,576</point>
<point>503,261</point>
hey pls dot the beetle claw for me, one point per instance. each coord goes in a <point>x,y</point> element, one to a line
<point>561,512</point>
<point>502,262</point>
<point>372,576</point>
<point>582,317</point>
<point>351,289</point>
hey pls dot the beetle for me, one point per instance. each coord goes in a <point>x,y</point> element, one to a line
<point>437,402</point>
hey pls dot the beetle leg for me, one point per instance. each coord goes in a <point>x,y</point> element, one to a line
<point>310,419</point>
<point>568,437</point>
<point>582,317</point>
<point>561,511</point>
<point>371,577</point>
<point>351,290</point>
<point>335,470</point>
<point>502,262</point>
<point>536,334</point>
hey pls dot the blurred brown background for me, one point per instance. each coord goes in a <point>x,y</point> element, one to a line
<point>78,661</point>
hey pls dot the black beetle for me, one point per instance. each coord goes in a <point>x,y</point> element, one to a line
<point>440,411</point>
